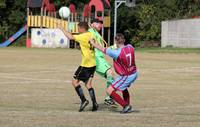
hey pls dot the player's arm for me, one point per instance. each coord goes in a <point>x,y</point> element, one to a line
<point>108,51</point>
<point>96,45</point>
<point>67,34</point>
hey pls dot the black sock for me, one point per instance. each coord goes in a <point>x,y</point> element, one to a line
<point>92,95</point>
<point>79,91</point>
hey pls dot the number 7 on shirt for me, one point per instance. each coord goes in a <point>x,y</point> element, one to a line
<point>128,56</point>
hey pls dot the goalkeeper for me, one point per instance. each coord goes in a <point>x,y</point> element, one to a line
<point>103,68</point>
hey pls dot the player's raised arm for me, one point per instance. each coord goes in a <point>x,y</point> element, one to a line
<point>67,34</point>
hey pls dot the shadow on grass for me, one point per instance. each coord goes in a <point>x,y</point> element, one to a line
<point>104,107</point>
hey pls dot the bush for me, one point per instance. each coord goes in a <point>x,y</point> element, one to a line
<point>135,41</point>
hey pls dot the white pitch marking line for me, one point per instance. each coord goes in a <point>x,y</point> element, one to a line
<point>28,82</point>
<point>75,112</point>
<point>53,71</point>
<point>31,80</point>
<point>23,78</point>
<point>184,69</point>
<point>168,108</point>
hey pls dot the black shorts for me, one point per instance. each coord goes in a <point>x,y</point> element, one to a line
<point>84,73</point>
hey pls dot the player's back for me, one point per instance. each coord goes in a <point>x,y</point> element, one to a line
<point>125,62</point>
<point>87,51</point>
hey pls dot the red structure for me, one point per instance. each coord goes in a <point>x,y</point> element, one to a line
<point>86,11</point>
<point>72,8</point>
<point>98,8</point>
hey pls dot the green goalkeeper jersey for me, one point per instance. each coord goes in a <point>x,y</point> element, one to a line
<point>101,64</point>
<point>97,38</point>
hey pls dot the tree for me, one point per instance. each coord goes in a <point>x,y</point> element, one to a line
<point>141,23</point>
<point>144,20</point>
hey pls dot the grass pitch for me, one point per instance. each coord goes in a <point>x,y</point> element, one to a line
<point>36,90</point>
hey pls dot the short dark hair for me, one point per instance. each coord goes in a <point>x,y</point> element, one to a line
<point>96,20</point>
<point>120,38</point>
<point>83,25</point>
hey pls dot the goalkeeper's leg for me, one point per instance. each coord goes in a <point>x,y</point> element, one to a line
<point>109,79</point>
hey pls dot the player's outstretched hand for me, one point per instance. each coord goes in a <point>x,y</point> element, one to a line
<point>92,41</point>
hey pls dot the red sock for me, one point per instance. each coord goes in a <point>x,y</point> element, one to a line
<point>126,96</point>
<point>118,99</point>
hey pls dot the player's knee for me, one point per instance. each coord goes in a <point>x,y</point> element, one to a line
<point>88,86</point>
<point>109,90</point>
<point>75,82</point>
<point>110,72</point>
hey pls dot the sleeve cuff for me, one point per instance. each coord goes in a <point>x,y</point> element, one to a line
<point>104,51</point>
